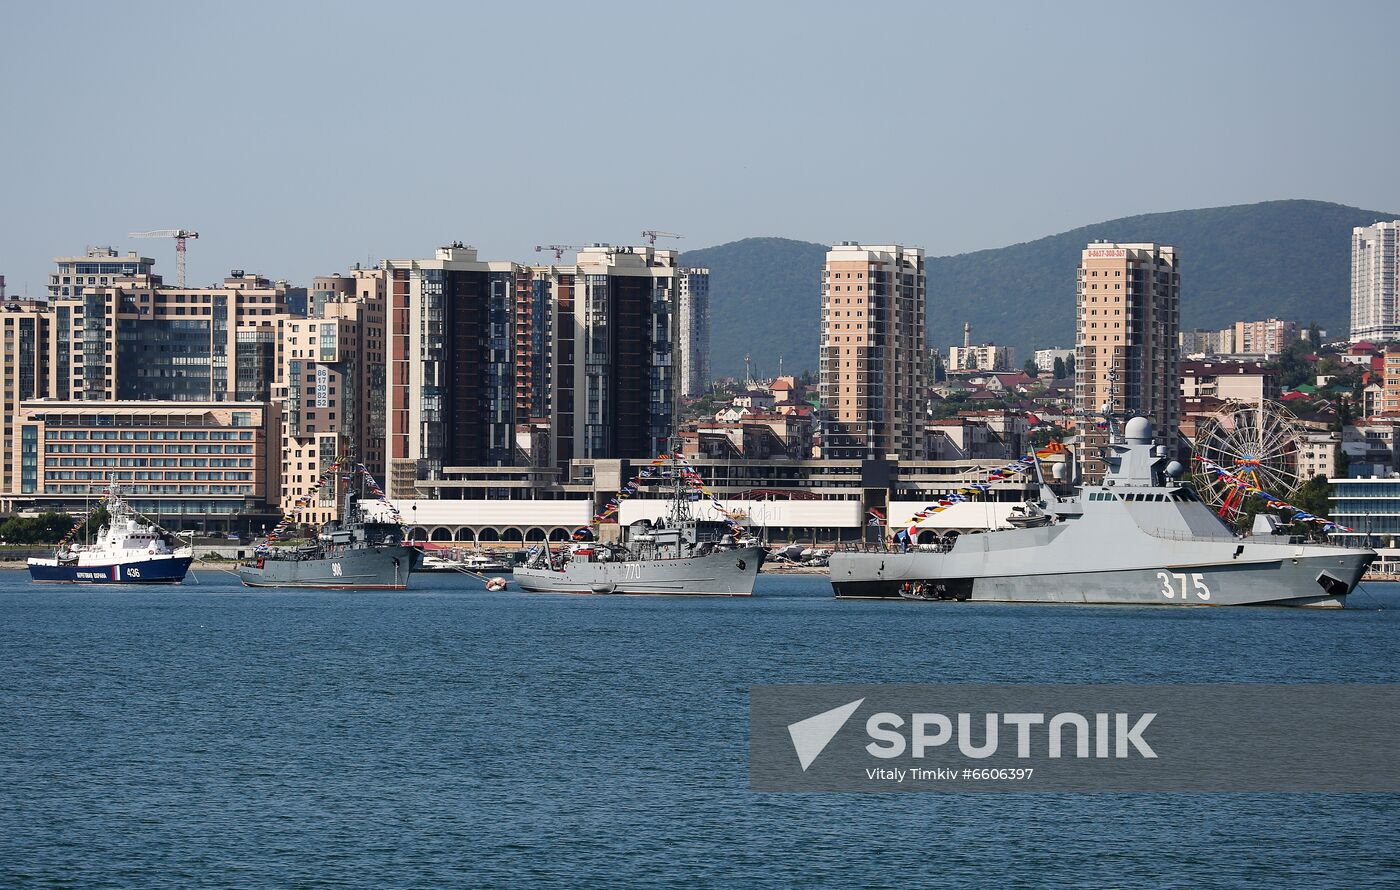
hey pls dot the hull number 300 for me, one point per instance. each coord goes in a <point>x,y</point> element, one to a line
<point>1171,581</point>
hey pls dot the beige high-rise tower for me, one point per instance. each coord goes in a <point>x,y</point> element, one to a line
<point>873,351</point>
<point>1126,347</point>
<point>331,386</point>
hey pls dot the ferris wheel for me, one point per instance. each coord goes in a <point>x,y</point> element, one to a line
<point>1257,442</point>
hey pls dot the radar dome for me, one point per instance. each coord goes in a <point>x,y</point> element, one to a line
<point>1057,472</point>
<point>1138,430</point>
<point>1174,469</point>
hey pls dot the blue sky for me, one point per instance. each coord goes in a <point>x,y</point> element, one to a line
<point>300,138</point>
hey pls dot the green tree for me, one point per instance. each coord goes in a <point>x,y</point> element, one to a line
<point>1059,371</point>
<point>97,517</point>
<point>1314,335</point>
<point>1069,366</point>
<point>1294,367</point>
<point>1341,464</point>
<point>46,528</point>
<point>1344,416</point>
<point>950,405</point>
<point>1313,496</point>
<point>1030,368</point>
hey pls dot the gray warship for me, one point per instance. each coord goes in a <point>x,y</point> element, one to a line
<point>675,555</point>
<point>1140,537</point>
<point>353,554</point>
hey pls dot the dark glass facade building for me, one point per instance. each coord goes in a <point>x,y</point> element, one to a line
<point>451,365</point>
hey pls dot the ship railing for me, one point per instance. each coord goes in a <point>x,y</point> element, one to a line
<point>943,545</point>
<point>863,547</point>
<point>1171,534</point>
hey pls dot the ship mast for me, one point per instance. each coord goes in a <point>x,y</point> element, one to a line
<point>1110,405</point>
<point>680,504</point>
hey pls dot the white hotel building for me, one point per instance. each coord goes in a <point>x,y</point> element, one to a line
<point>1375,272</point>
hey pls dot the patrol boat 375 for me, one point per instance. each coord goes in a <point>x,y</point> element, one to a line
<point>127,551</point>
<point>1140,537</point>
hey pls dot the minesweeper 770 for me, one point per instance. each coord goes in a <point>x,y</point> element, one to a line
<point>1140,537</point>
<point>681,555</point>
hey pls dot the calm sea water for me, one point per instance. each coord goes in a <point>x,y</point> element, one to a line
<point>212,735</point>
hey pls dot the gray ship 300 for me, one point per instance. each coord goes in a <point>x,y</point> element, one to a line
<point>1141,537</point>
<point>353,554</point>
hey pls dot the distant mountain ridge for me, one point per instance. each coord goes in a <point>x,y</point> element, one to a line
<point>1284,259</point>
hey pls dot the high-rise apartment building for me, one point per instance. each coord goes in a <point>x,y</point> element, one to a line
<point>1268,337</point>
<point>450,355</point>
<point>983,357</point>
<point>499,364</point>
<point>1202,342</point>
<point>693,330</point>
<point>1390,382</point>
<point>535,294</point>
<point>1375,278</point>
<point>597,354</point>
<point>135,339</point>
<point>24,332</point>
<point>623,354</point>
<point>873,351</point>
<point>99,267</point>
<point>332,386</point>
<point>1127,350</point>
<point>545,349</point>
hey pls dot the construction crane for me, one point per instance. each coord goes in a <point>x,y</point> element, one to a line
<point>557,248</point>
<point>179,235</point>
<point>651,235</point>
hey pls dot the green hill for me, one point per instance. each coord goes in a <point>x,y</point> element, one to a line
<point>1285,259</point>
<point>765,301</point>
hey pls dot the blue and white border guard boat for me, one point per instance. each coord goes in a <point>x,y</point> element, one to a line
<point>127,550</point>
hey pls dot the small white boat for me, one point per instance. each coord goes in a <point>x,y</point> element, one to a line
<point>480,562</point>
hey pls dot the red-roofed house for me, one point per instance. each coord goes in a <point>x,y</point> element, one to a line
<point>1359,353</point>
<point>1009,382</point>
<point>783,389</point>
